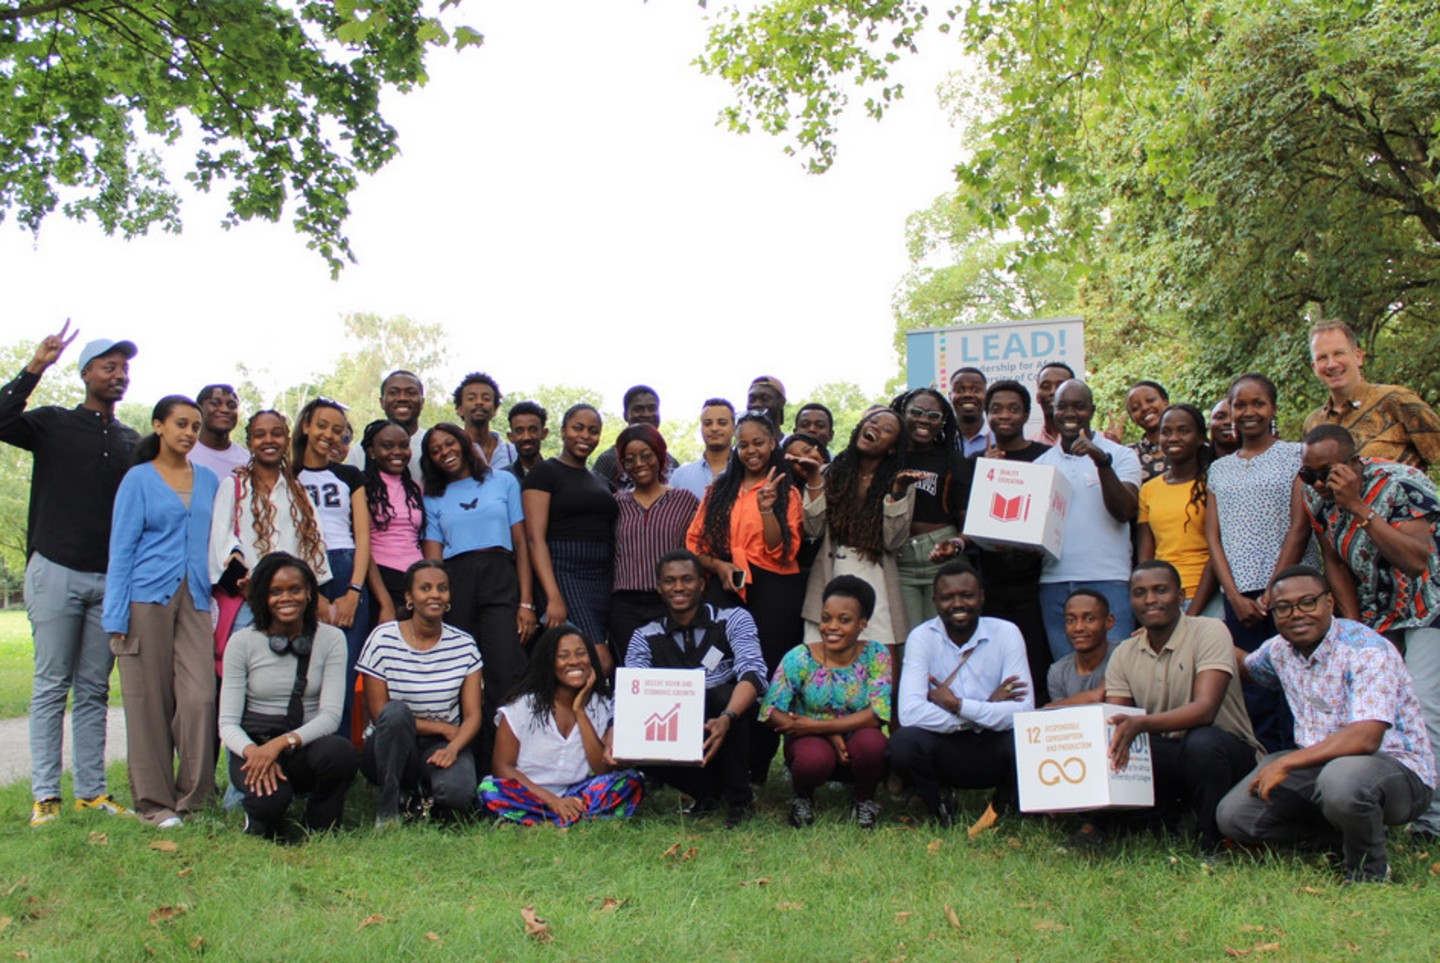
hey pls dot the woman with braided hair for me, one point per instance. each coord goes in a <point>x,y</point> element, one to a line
<point>261,509</point>
<point>747,534</point>
<point>1171,524</point>
<point>862,508</point>
<point>397,516</point>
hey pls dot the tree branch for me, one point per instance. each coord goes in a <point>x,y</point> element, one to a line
<point>23,11</point>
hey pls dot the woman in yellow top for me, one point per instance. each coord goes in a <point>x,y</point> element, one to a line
<point>1171,523</point>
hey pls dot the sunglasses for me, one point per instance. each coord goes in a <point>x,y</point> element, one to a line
<point>1310,476</point>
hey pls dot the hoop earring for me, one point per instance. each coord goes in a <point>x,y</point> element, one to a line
<point>409,605</point>
<point>447,606</point>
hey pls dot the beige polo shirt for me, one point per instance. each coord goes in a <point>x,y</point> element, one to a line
<point>1165,680</point>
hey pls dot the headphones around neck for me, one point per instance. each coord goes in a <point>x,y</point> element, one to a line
<point>300,645</point>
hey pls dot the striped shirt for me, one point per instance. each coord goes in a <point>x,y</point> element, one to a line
<point>643,535</point>
<point>738,645</point>
<point>428,682</point>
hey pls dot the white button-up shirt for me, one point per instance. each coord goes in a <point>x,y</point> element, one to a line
<point>997,651</point>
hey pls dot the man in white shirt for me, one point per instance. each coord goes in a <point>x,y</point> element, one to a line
<point>1104,497</point>
<point>963,680</point>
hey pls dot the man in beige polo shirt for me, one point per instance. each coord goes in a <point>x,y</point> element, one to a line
<point>1386,421</point>
<point>1181,671</point>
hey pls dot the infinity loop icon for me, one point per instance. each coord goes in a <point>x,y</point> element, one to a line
<point>1052,771</point>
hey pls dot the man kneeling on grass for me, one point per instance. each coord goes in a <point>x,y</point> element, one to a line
<point>1364,762</point>
<point>963,679</point>
<point>1181,671</point>
<point>723,642</point>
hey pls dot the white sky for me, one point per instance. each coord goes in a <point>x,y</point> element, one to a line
<point>567,210</point>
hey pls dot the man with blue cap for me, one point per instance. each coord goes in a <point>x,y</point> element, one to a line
<point>80,454</point>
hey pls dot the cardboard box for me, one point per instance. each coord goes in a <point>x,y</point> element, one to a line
<point>660,715</point>
<point>1062,759</point>
<point>1019,504</point>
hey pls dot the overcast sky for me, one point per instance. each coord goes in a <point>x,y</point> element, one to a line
<point>567,210</point>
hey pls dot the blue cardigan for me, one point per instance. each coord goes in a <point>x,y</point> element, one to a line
<point>155,541</point>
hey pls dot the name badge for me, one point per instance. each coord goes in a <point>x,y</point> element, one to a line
<point>712,659</point>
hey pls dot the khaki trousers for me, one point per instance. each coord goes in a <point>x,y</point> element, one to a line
<point>167,675</point>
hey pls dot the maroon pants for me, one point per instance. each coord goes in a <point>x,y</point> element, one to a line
<point>813,761</point>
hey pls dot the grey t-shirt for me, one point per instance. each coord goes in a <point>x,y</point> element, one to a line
<point>1064,679</point>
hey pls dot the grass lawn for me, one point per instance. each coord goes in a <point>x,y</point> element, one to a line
<point>17,666</point>
<point>661,888</point>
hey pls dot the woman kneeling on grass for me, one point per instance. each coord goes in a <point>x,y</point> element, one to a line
<point>280,700</point>
<point>423,689</point>
<point>551,760</point>
<point>829,699</point>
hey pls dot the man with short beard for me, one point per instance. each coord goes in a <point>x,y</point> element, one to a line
<point>527,434</point>
<point>80,454</point>
<point>717,431</point>
<point>402,398</point>
<point>476,401</point>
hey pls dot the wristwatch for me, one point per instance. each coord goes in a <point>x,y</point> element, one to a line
<point>1109,460</point>
<point>356,588</point>
<point>731,714</point>
<point>292,742</point>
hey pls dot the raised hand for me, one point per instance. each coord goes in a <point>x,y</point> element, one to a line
<point>48,351</point>
<point>768,491</point>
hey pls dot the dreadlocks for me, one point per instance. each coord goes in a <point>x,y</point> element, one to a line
<point>854,521</point>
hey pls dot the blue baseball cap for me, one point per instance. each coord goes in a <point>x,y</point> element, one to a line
<point>94,349</point>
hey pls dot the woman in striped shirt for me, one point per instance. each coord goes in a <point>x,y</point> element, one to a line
<point>423,689</point>
<point>653,520</point>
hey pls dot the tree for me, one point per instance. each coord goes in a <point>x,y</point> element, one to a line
<point>270,88</point>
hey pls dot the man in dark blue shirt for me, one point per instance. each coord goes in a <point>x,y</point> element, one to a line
<point>80,454</point>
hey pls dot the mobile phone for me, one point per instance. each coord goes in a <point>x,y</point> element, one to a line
<point>737,578</point>
<point>230,578</point>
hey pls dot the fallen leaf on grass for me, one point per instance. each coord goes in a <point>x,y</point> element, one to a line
<point>1435,869</point>
<point>903,917</point>
<point>1311,890</point>
<point>535,927</point>
<point>165,913</point>
<point>1013,842</point>
<point>17,884</point>
<point>787,906</point>
<point>761,881</point>
<point>934,846</point>
<point>611,904</point>
<point>21,955</point>
<point>374,919</point>
<point>690,854</point>
<point>185,872</point>
<point>952,916</point>
<point>165,846</point>
<point>1049,926</point>
<point>1257,948</point>
<point>1251,928</point>
<point>672,851</point>
<point>433,937</point>
<point>197,944</point>
<point>99,839</point>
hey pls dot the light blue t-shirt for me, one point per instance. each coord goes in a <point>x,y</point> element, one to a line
<point>1096,546</point>
<point>474,515</point>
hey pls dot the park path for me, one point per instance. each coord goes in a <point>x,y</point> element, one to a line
<point>15,745</point>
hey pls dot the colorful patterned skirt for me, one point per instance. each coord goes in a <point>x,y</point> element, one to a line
<point>613,794</point>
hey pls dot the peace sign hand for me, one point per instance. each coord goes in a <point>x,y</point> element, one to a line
<point>48,351</point>
<point>768,491</point>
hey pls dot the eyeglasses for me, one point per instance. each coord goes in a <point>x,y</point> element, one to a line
<point>1306,605</point>
<point>925,414</point>
<point>1310,476</point>
<point>644,458</point>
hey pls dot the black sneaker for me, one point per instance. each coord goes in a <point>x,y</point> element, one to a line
<point>1360,877</point>
<point>1087,839</point>
<point>867,813</point>
<point>254,827</point>
<point>944,815</point>
<point>802,812</point>
<point>701,807</point>
<point>738,814</point>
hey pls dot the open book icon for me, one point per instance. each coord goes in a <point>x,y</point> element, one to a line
<point>663,728</point>
<point>1015,509</point>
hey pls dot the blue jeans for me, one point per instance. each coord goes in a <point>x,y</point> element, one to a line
<point>72,652</point>
<point>1052,610</point>
<point>1422,658</point>
<point>342,573</point>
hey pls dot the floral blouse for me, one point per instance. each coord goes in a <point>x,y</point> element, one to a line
<point>804,687</point>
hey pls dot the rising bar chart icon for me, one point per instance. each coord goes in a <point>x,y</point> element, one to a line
<point>663,728</point>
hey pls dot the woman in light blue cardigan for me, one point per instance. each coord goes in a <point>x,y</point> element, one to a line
<point>157,600</point>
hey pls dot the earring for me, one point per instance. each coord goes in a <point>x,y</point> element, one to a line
<point>447,606</point>
<point>409,605</point>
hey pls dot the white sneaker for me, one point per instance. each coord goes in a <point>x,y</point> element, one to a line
<point>173,822</point>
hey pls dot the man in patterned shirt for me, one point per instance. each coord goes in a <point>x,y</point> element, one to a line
<point>1364,760</point>
<point>1377,527</point>
<point>1386,421</point>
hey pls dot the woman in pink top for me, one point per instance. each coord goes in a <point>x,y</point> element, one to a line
<point>397,516</point>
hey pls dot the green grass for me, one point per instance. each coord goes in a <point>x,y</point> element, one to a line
<point>17,666</point>
<point>764,892</point>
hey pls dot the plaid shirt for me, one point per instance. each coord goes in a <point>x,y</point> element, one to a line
<point>1354,675</point>
<point>1389,599</point>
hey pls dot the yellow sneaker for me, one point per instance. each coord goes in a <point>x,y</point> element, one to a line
<point>44,811</point>
<point>104,803</point>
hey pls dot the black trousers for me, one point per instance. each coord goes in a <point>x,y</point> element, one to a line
<point>934,761</point>
<point>1020,603</point>
<point>394,758</point>
<point>324,768</point>
<point>484,601</point>
<point>774,602</point>
<point>628,612</point>
<point>1196,772</point>
<point>727,775</point>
